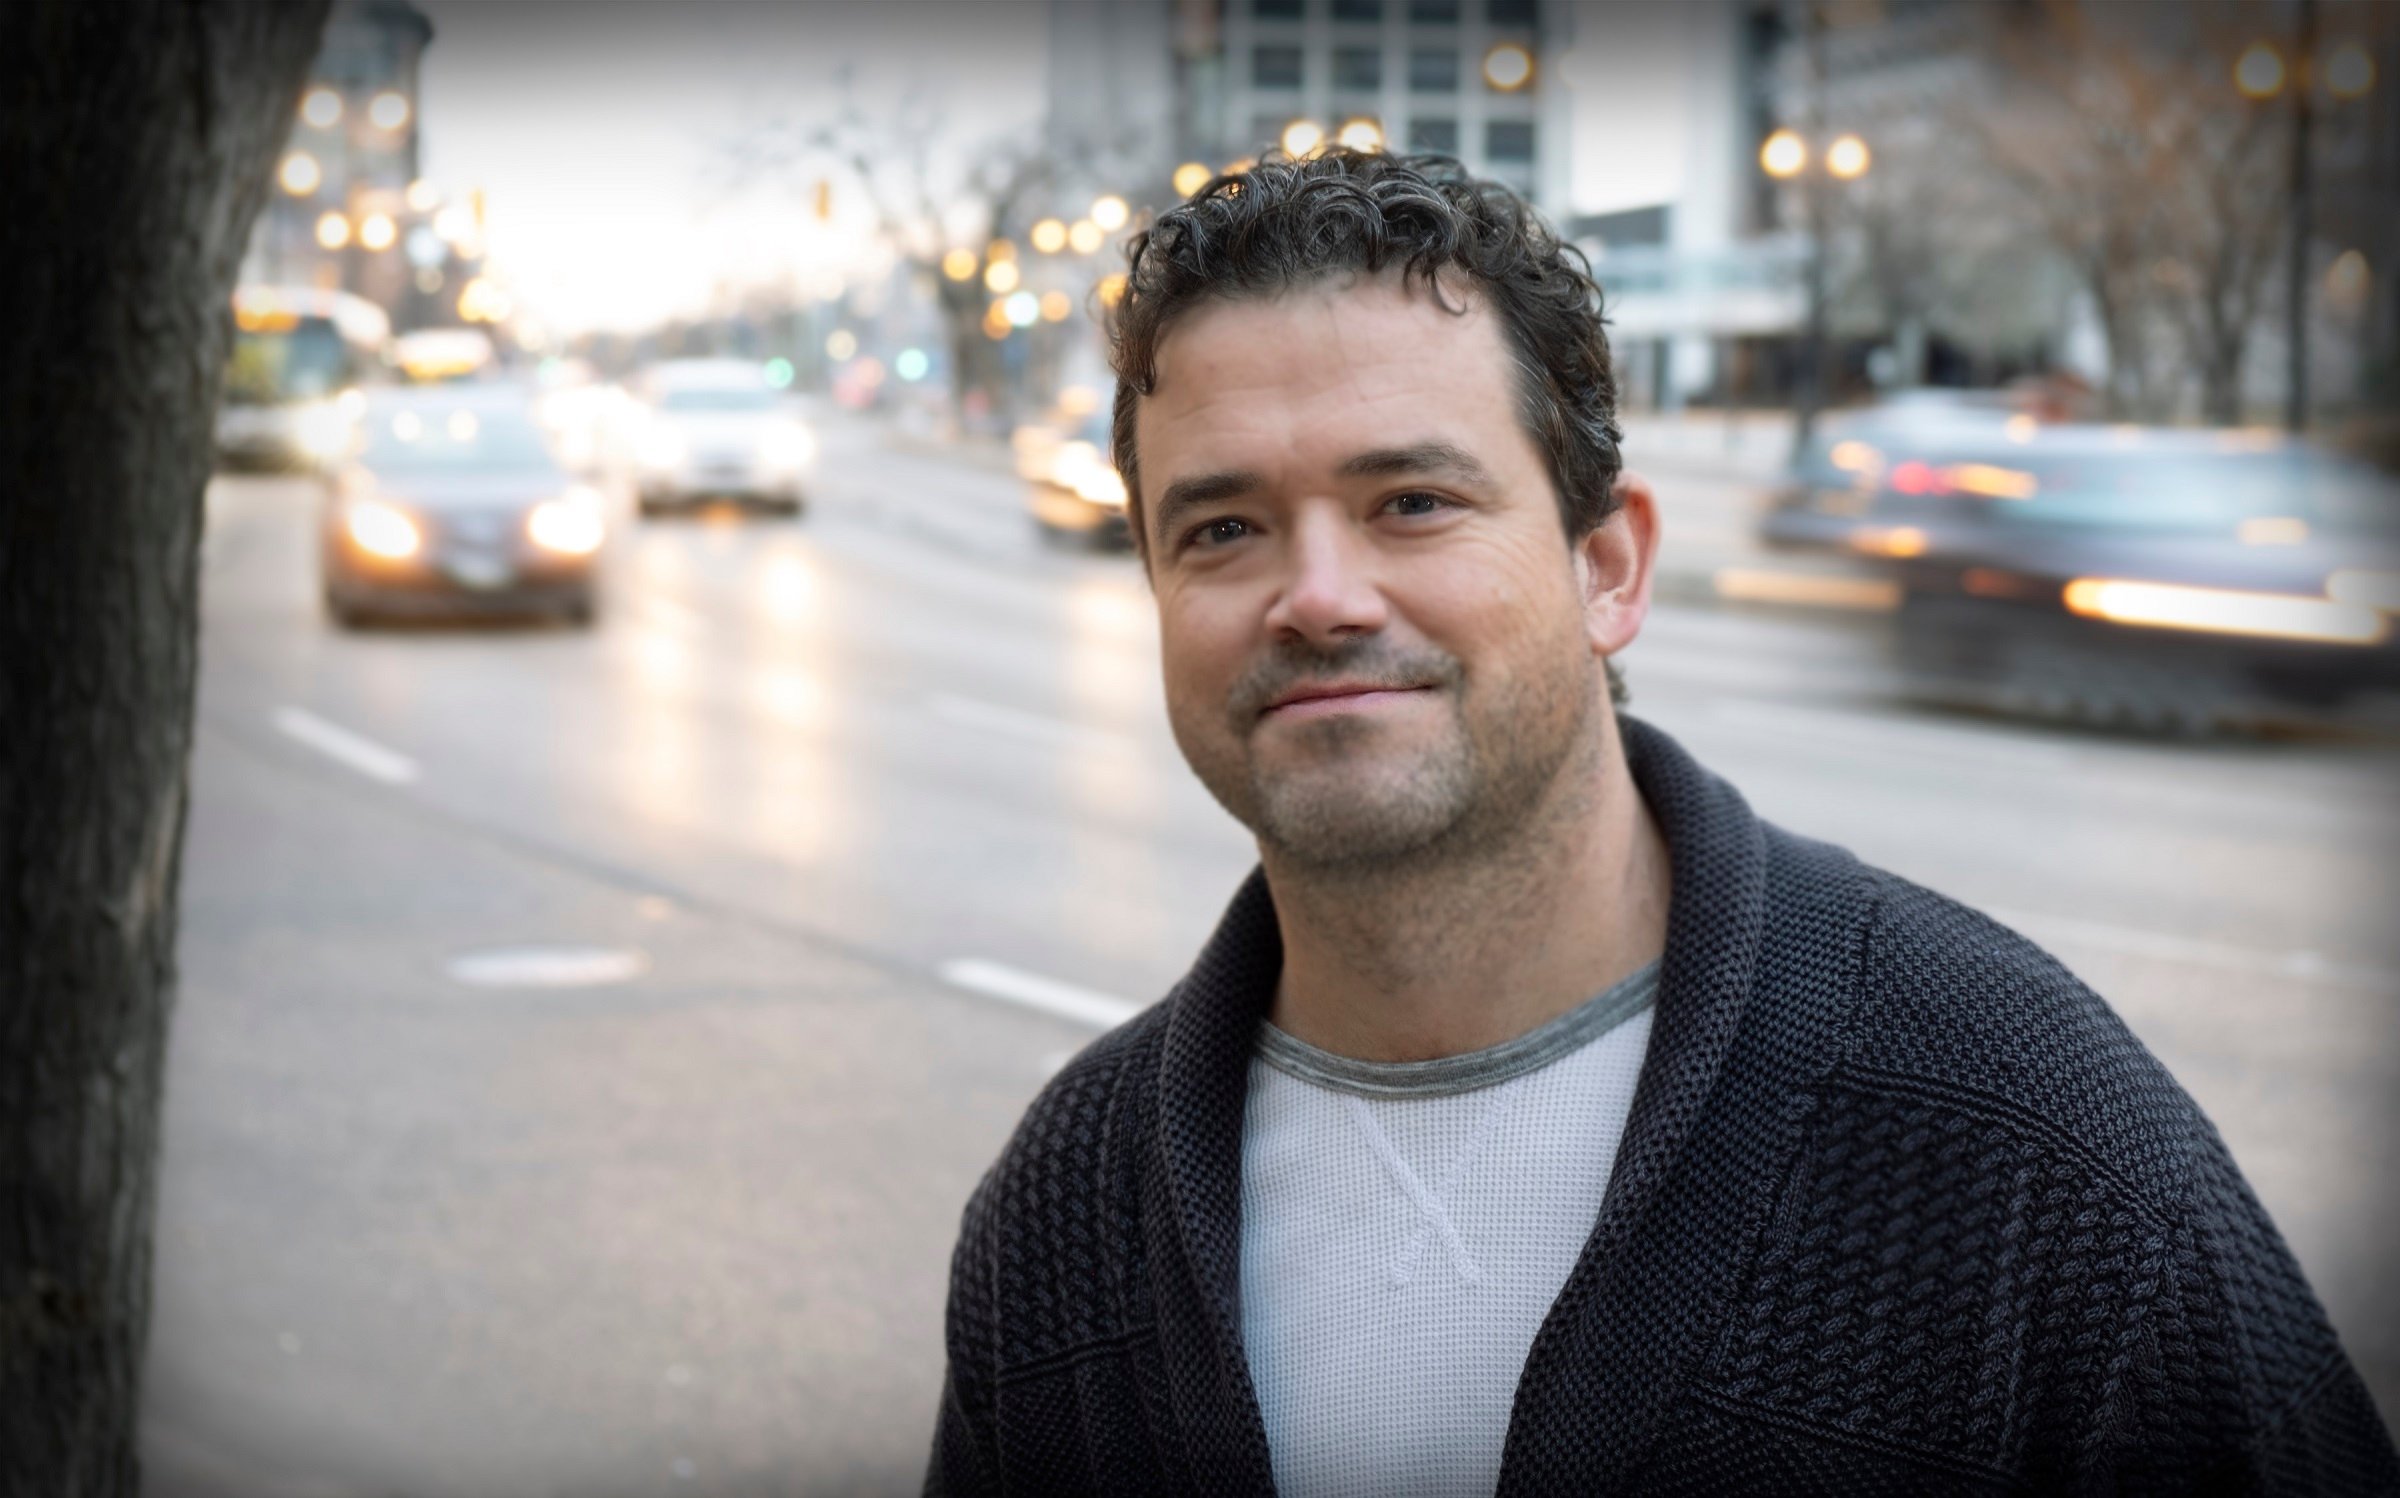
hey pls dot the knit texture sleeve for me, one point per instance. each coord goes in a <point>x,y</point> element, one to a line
<point>2158,1335</point>
<point>2302,1421</point>
<point>965,1456</point>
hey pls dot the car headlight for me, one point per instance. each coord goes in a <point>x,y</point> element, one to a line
<point>1102,485</point>
<point>381,530</point>
<point>570,525</point>
<point>662,447</point>
<point>323,428</point>
<point>788,447</point>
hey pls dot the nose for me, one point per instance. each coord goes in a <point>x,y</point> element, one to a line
<point>1330,592</point>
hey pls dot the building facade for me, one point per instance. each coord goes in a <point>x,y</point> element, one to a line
<point>350,210</point>
<point>1467,78</point>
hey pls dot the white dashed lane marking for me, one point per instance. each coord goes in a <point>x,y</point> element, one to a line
<point>353,750</point>
<point>998,981</point>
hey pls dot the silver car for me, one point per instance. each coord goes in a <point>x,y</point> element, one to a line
<point>715,429</point>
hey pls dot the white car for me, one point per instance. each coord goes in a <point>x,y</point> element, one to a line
<point>715,429</point>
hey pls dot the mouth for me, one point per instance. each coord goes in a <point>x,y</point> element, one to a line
<point>1317,699</point>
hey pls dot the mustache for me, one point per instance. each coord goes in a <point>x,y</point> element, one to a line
<point>1376,661</point>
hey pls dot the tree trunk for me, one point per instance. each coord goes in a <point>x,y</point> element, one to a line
<point>136,141</point>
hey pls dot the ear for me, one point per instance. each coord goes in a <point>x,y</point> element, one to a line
<point>1613,567</point>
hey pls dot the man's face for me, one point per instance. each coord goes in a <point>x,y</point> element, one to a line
<point>1378,641</point>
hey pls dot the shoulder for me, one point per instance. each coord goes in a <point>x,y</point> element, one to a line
<point>1959,1010</point>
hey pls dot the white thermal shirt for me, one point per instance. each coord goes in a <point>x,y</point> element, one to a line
<point>1405,1229</point>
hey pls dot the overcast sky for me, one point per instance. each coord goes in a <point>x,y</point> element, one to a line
<point>596,131</point>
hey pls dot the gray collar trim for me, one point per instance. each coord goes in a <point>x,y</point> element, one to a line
<point>1445,1076</point>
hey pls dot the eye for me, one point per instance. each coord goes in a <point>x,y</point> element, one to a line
<point>1416,502</point>
<point>1217,532</point>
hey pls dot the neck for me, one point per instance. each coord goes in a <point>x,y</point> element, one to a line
<point>1441,956</point>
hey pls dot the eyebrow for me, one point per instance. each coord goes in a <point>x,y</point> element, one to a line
<point>1199,489</point>
<point>1381,462</point>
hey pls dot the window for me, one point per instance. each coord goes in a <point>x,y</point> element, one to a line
<point>1358,67</point>
<point>1275,67</point>
<point>1279,10</point>
<point>1433,70</point>
<point>1514,12</point>
<point>1358,10</point>
<point>1433,12</point>
<point>1433,135</point>
<point>1508,140</point>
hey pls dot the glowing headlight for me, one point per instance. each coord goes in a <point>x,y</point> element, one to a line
<point>1102,485</point>
<point>570,526</point>
<point>788,447</point>
<point>2225,611</point>
<point>1078,466</point>
<point>380,530</point>
<point>323,428</point>
<point>662,447</point>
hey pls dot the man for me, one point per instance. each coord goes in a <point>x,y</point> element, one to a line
<point>1538,1120</point>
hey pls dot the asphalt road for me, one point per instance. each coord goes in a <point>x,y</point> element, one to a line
<point>863,823</point>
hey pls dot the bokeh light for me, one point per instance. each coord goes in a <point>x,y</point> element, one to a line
<point>300,174</point>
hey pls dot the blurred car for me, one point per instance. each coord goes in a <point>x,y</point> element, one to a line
<point>2144,577</point>
<point>453,503</point>
<point>715,429</point>
<point>1071,487</point>
<point>300,357</point>
<point>430,356</point>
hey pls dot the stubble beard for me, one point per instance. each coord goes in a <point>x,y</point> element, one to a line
<point>1354,807</point>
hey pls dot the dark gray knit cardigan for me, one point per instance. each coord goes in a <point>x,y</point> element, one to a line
<point>1901,1208</point>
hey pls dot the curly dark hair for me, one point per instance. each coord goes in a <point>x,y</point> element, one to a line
<point>1284,224</point>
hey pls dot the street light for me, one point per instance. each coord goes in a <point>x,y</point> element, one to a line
<point>1056,305</point>
<point>2261,74</point>
<point>1191,177</point>
<point>1301,137</point>
<point>2349,72</point>
<point>2258,72</point>
<point>423,196</point>
<point>377,231</point>
<point>959,265</point>
<point>1109,212</point>
<point>1049,236</point>
<point>840,344</point>
<point>300,174</point>
<point>1361,134</point>
<point>322,108</point>
<point>1000,276</point>
<point>333,231</point>
<point>1508,67</point>
<point>1084,237</point>
<point>388,111</point>
<point>1784,156</point>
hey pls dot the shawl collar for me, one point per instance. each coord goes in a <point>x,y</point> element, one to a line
<point>1717,907</point>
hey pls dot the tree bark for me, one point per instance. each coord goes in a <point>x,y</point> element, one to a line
<point>136,140</point>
